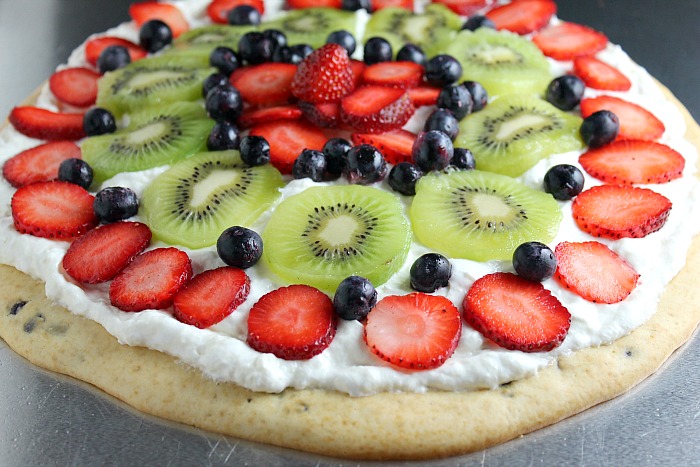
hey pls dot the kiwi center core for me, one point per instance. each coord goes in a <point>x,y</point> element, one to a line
<point>338,231</point>
<point>145,79</point>
<point>496,55</point>
<point>479,208</point>
<point>213,183</point>
<point>521,124</point>
<point>146,133</point>
<point>490,206</point>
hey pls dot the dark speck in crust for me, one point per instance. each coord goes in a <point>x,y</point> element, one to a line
<point>14,309</point>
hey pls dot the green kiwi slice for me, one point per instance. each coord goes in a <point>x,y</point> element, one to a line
<point>154,137</point>
<point>515,132</point>
<point>196,199</point>
<point>501,61</point>
<point>325,234</point>
<point>201,41</point>
<point>312,25</point>
<point>480,215</point>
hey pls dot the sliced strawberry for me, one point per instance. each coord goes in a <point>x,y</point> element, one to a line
<point>151,280</point>
<point>376,109</point>
<point>464,7</point>
<point>211,296</point>
<point>417,331</point>
<point>324,115</point>
<point>218,9</point>
<point>516,313</point>
<point>102,253</point>
<point>56,209</point>
<point>293,323</point>
<point>45,124</point>
<point>324,76</point>
<point>287,138</point>
<point>424,95</point>
<point>268,84</point>
<point>616,211</point>
<point>628,162</point>
<point>381,4</point>
<point>523,17</point>
<point>167,13</point>
<point>269,114</point>
<point>75,86</point>
<point>396,146</point>
<point>299,4</point>
<point>394,74</point>
<point>39,164</point>
<point>594,272</point>
<point>635,121</point>
<point>95,46</point>
<point>599,75</point>
<point>566,41</point>
<point>357,69</point>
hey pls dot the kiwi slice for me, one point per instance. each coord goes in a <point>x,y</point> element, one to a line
<point>325,234</point>
<point>480,215</point>
<point>312,25</point>
<point>196,199</point>
<point>154,137</point>
<point>501,61</point>
<point>515,132</point>
<point>432,30</point>
<point>201,41</point>
<point>153,82</point>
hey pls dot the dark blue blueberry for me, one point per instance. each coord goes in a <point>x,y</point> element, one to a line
<point>442,70</point>
<point>224,103</point>
<point>310,164</point>
<point>430,272</point>
<point>457,99</point>
<point>534,261</point>
<point>302,50</point>
<point>239,247</point>
<point>354,5</point>
<point>115,203</point>
<point>112,58</point>
<point>412,53</point>
<point>480,97</point>
<point>403,177</point>
<point>225,60</point>
<point>344,39</point>
<point>255,150</point>
<point>277,37</point>
<point>255,48</point>
<point>98,121</point>
<point>377,49</point>
<point>223,136</point>
<point>565,92</point>
<point>432,150</point>
<point>478,21</point>
<point>212,81</point>
<point>75,171</point>
<point>364,165</point>
<point>563,181</point>
<point>443,120</point>
<point>354,298</point>
<point>463,159</point>
<point>600,128</point>
<point>154,35</point>
<point>283,54</point>
<point>336,151</point>
<point>244,15</point>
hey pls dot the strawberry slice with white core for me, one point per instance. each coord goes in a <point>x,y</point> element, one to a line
<point>167,13</point>
<point>416,331</point>
<point>39,164</point>
<point>95,46</point>
<point>75,86</point>
<point>268,84</point>
<point>635,121</point>
<point>269,114</point>
<point>423,95</point>
<point>629,162</point>
<point>292,323</point>
<point>47,125</point>
<point>594,272</point>
<point>287,139</point>
<point>376,109</point>
<point>393,74</point>
<point>151,280</point>
<point>516,313</point>
<point>395,146</point>
<point>324,76</point>
<point>617,211</point>
<point>523,17</point>
<point>218,10</point>
<point>566,41</point>
<point>102,253</point>
<point>464,7</point>
<point>211,296</point>
<point>599,75</point>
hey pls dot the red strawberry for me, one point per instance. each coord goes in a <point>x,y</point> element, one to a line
<point>56,209</point>
<point>167,13</point>
<point>324,76</point>
<point>268,114</point>
<point>424,95</point>
<point>396,146</point>
<point>357,69</point>
<point>628,162</point>
<point>516,313</point>
<point>287,138</point>
<point>95,46</point>
<point>293,323</point>
<point>523,17</point>
<point>376,109</point>
<point>594,272</point>
<point>151,280</point>
<point>75,86</point>
<point>464,7</point>
<point>268,84</point>
<point>381,4</point>
<point>211,296</point>
<point>325,115</point>
<point>599,75</point>
<point>102,253</point>
<point>616,211</point>
<point>635,122</point>
<point>218,9</point>
<point>394,74</point>
<point>566,41</point>
<point>417,331</point>
<point>298,4</point>
<point>39,164</point>
<point>45,124</point>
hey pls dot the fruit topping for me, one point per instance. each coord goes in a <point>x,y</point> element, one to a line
<point>635,121</point>
<point>115,203</point>
<point>268,84</point>
<point>310,164</point>
<point>98,121</point>
<point>563,181</point>
<point>76,171</point>
<point>566,41</point>
<point>254,150</point>
<point>324,76</point>
<point>432,150</point>
<point>600,128</point>
<point>95,46</point>
<point>269,114</point>
<point>534,261</point>
<point>403,178</point>
<point>47,125</point>
<point>225,60</point>
<point>430,272</point>
<point>323,115</point>
<point>395,146</point>
<point>112,58</point>
<point>75,86</point>
<point>223,137</point>
<point>377,50</point>
<point>442,70</point>
<point>463,159</point>
<point>423,95</point>
<point>239,247</point>
<point>458,100</point>
<point>376,109</point>
<point>394,74</point>
<point>478,21</point>
<point>169,14</point>
<point>480,97</point>
<point>336,151</point>
<point>244,15</point>
<point>364,164</point>
<point>155,35</point>
<point>565,92</point>
<point>599,75</point>
<point>256,48</point>
<point>411,53</point>
<point>224,103</point>
<point>38,164</point>
<point>218,10</point>
<point>464,7</point>
<point>523,17</point>
<point>344,39</point>
<point>287,138</point>
<point>354,298</point>
<point>311,26</point>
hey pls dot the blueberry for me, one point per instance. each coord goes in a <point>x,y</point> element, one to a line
<point>244,15</point>
<point>364,165</point>
<point>278,38</point>
<point>255,150</point>
<point>255,48</point>
<point>456,99</point>
<point>443,120</point>
<point>336,151</point>
<point>303,50</point>
<point>239,247</point>
<point>478,21</point>
<point>154,35</point>
<point>563,181</point>
<point>99,121</point>
<point>112,58</point>
<point>354,298</point>
<point>463,159</point>
<point>225,60</point>
<point>534,261</point>
<point>377,49</point>
<point>224,103</point>
<point>223,136</point>
<point>75,171</point>
<point>412,53</point>
<point>115,203</point>
<point>600,128</point>
<point>442,70</point>
<point>344,39</point>
<point>354,5</point>
<point>213,81</point>
<point>480,97</point>
<point>565,92</point>
<point>403,178</point>
<point>430,272</point>
<point>311,164</point>
<point>432,150</point>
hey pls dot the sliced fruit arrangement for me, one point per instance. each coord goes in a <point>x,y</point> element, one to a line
<point>464,7</point>
<point>95,46</point>
<point>635,121</point>
<point>599,75</point>
<point>268,114</point>
<point>75,86</point>
<point>376,109</point>
<point>312,25</point>
<point>395,146</point>
<point>201,41</point>
<point>218,10</point>
<point>267,84</point>
<point>169,14</point>
<point>287,139</point>
<point>47,125</point>
<point>39,164</point>
<point>566,41</point>
<point>324,76</point>
<point>523,17</point>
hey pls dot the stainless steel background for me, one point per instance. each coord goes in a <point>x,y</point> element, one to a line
<point>48,419</point>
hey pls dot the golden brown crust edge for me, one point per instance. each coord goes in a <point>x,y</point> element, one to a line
<point>385,426</point>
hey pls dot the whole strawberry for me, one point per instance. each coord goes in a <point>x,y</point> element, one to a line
<point>324,76</point>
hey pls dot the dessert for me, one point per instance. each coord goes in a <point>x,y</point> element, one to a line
<point>419,194</point>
